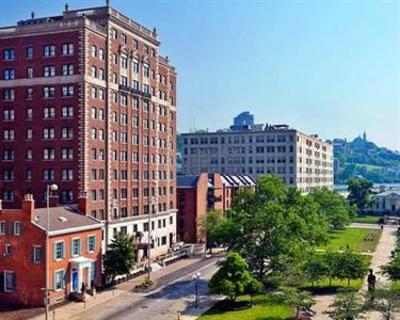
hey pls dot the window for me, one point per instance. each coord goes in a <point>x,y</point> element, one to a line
<point>2,227</point>
<point>48,174</point>
<point>8,114</point>
<point>146,71</point>
<point>67,112</point>
<point>91,244</point>
<point>29,73</point>
<point>67,133</point>
<point>67,174</point>
<point>94,51</point>
<point>9,74</point>
<point>49,92</point>
<point>29,154</point>
<point>68,69</point>
<point>67,196</point>
<point>29,94</point>
<point>29,134</point>
<point>135,66</point>
<point>101,74</point>
<point>94,71</point>
<point>67,49</point>
<point>49,51</point>
<point>59,250</point>
<point>48,133</point>
<point>29,114</point>
<point>124,38</point>
<point>67,91</point>
<point>67,154</point>
<point>8,134</point>
<point>37,254</point>
<point>8,54</point>
<point>49,113</point>
<point>9,281</point>
<point>49,71</point>
<point>9,94</point>
<point>29,52</point>
<point>101,54</point>
<point>76,247</point>
<point>48,154</point>
<point>59,282</point>
<point>124,63</point>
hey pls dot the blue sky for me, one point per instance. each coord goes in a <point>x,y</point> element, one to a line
<point>326,67</point>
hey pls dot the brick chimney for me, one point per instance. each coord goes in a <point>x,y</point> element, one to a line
<point>53,200</point>
<point>83,203</point>
<point>28,205</point>
<point>1,205</point>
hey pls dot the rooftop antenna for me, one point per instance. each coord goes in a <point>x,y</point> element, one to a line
<point>33,14</point>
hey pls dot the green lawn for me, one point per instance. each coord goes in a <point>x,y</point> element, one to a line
<point>366,218</point>
<point>264,309</point>
<point>358,239</point>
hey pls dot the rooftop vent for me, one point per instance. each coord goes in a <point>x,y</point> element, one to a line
<point>63,219</point>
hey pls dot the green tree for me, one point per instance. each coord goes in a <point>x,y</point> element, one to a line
<point>252,288</point>
<point>315,268</point>
<point>347,306</point>
<point>120,256</point>
<point>359,192</point>
<point>302,301</point>
<point>330,259</point>
<point>209,226</point>
<point>386,302</point>
<point>350,266</point>
<point>392,269</point>
<point>270,223</point>
<point>333,206</point>
<point>233,278</point>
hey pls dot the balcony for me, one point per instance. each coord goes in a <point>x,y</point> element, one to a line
<point>134,91</point>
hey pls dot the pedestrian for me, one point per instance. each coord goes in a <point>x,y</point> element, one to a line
<point>371,281</point>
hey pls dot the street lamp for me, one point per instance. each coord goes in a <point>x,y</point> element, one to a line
<point>196,278</point>
<point>50,188</point>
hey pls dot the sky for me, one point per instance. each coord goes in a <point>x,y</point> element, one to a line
<point>325,67</point>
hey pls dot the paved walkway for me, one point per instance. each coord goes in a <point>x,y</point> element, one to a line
<point>380,257</point>
<point>162,277</point>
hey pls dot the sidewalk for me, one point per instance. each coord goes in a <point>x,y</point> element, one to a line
<point>380,257</point>
<point>74,309</point>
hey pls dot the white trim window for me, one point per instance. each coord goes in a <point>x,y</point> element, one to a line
<point>2,227</point>
<point>9,281</point>
<point>37,254</point>
<point>17,230</point>
<point>59,250</point>
<point>59,280</point>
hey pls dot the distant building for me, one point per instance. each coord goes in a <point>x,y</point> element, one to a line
<point>387,202</point>
<point>198,194</point>
<point>301,160</point>
<point>242,120</point>
<point>74,252</point>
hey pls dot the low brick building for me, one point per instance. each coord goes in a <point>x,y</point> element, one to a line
<point>198,194</point>
<point>74,252</point>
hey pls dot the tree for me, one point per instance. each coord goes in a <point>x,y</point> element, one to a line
<point>347,306</point>
<point>392,269</point>
<point>120,256</point>
<point>330,259</point>
<point>210,223</point>
<point>350,266</point>
<point>252,288</point>
<point>233,278</point>
<point>359,192</point>
<point>302,301</point>
<point>271,223</point>
<point>385,301</point>
<point>315,268</point>
<point>333,206</point>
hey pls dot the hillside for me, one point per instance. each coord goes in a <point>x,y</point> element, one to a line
<point>365,158</point>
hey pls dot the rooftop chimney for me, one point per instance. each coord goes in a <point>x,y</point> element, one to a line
<point>33,14</point>
<point>28,205</point>
<point>66,7</point>
<point>83,203</point>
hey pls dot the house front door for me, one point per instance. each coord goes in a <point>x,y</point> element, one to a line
<point>75,274</point>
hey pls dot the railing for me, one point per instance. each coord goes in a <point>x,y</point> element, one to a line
<point>134,91</point>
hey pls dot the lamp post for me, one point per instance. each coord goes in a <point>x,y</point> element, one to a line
<point>50,188</point>
<point>196,278</point>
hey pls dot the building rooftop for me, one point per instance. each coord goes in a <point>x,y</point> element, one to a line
<point>62,219</point>
<point>186,181</point>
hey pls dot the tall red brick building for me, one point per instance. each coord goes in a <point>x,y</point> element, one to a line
<point>88,103</point>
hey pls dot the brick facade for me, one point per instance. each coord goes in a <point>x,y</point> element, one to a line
<point>115,143</point>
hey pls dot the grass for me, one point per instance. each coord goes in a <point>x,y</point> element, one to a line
<point>264,309</point>
<point>323,286</point>
<point>366,218</point>
<point>358,239</point>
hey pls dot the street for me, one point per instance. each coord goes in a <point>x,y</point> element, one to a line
<point>173,293</point>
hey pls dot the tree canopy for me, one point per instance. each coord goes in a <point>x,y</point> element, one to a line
<point>120,256</point>
<point>272,222</point>
<point>234,278</point>
<point>359,192</point>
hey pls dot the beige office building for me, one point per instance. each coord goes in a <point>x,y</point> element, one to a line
<point>299,159</point>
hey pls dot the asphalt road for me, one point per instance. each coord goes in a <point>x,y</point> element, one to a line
<point>172,294</point>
